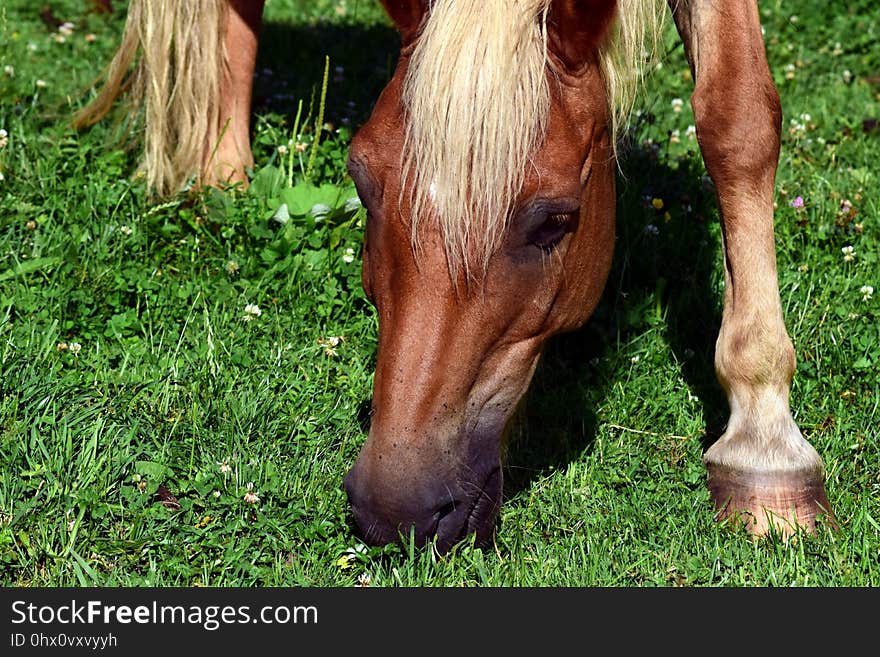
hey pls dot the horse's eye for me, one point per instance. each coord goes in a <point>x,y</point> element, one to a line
<point>367,188</point>
<point>552,230</point>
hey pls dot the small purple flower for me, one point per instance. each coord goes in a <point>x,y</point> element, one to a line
<point>798,202</point>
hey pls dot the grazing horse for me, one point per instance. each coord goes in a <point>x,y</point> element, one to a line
<point>487,171</point>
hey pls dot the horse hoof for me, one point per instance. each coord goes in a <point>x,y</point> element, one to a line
<point>770,501</point>
<point>225,176</point>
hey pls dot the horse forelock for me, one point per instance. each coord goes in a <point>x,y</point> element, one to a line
<point>477,101</point>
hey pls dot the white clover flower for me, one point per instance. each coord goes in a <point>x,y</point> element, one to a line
<point>90,38</point>
<point>251,496</point>
<point>252,311</point>
<point>300,147</point>
<point>282,150</point>
<point>125,230</point>
<point>32,46</point>
<point>789,71</point>
<point>348,256</point>
<point>690,132</point>
<point>4,138</point>
<point>867,292</point>
<point>9,70</point>
<point>849,253</point>
<point>224,466</point>
<point>675,136</point>
<point>330,344</point>
<point>75,347</point>
<point>797,128</point>
<point>847,76</point>
<point>66,28</point>
<point>677,104</point>
<point>40,84</point>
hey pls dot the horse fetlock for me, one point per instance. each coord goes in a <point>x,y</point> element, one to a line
<point>766,441</point>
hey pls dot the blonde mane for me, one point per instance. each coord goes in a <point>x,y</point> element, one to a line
<point>477,101</point>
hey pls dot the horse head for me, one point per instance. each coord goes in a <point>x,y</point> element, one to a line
<point>487,171</point>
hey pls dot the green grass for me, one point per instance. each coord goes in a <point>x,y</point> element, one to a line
<point>173,386</point>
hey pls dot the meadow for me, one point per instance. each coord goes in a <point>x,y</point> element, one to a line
<point>184,384</point>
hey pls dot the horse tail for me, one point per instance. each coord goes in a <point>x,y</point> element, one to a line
<point>169,67</point>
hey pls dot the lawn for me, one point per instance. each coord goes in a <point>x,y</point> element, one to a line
<point>184,384</point>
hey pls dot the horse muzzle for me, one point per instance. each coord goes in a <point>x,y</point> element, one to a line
<point>393,503</point>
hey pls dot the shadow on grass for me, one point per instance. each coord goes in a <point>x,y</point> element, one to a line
<point>290,67</point>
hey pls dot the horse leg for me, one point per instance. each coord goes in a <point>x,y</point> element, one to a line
<point>228,154</point>
<point>761,471</point>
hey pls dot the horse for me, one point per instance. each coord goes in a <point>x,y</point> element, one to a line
<point>487,169</point>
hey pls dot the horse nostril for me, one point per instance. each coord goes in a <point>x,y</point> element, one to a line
<point>445,510</point>
<point>353,488</point>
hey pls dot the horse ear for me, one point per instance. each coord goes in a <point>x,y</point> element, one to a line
<point>576,27</point>
<point>407,16</point>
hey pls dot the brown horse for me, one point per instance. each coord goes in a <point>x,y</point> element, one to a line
<point>487,169</point>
